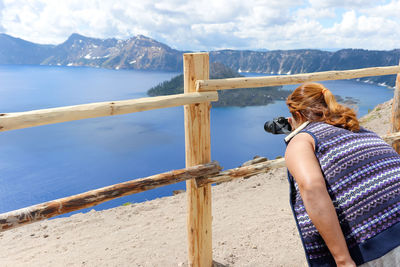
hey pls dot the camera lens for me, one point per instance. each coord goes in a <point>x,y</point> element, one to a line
<point>278,125</point>
<point>281,120</point>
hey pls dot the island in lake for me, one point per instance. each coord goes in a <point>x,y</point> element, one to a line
<point>235,97</point>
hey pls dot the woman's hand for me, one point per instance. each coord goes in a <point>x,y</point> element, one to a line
<point>305,168</point>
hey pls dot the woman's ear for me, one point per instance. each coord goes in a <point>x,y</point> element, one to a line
<point>299,117</point>
<point>296,120</point>
<point>293,122</point>
<point>290,120</point>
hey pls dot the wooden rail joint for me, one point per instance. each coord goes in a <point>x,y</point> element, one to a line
<point>202,181</point>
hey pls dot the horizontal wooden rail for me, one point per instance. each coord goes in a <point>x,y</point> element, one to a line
<point>244,171</point>
<point>204,174</point>
<point>91,198</point>
<point>19,120</point>
<point>389,138</point>
<point>250,82</point>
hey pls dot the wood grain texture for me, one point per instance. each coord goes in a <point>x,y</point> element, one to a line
<point>19,120</point>
<point>241,172</point>
<point>253,82</point>
<point>396,112</point>
<point>390,138</point>
<point>197,147</point>
<point>91,198</point>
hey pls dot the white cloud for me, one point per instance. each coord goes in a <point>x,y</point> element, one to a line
<point>2,29</point>
<point>344,3</point>
<point>388,10</point>
<point>209,24</point>
<point>366,30</point>
<point>348,25</point>
<point>316,13</point>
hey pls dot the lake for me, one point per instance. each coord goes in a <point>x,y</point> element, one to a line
<point>48,162</point>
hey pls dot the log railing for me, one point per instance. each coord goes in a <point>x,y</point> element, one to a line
<point>197,151</point>
<point>250,82</point>
<point>200,172</point>
<point>92,198</point>
<point>19,120</point>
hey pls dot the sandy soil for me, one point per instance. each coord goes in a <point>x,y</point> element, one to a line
<point>252,226</point>
<point>378,120</point>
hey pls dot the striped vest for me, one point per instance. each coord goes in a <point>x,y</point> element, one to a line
<point>362,175</point>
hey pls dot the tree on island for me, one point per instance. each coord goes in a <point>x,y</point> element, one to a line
<point>235,97</point>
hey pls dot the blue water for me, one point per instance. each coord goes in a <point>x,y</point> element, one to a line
<point>44,163</point>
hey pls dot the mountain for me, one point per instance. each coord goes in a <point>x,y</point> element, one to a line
<point>308,60</point>
<point>238,97</point>
<point>140,52</point>
<point>18,51</point>
<point>304,60</point>
<point>143,53</point>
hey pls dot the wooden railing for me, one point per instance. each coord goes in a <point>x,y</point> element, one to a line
<point>249,82</point>
<point>19,120</point>
<point>200,172</point>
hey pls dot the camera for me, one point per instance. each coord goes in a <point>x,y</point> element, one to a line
<point>278,125</point>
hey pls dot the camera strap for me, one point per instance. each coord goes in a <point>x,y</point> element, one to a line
<point>296,131</point>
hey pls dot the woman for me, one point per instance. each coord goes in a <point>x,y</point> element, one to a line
<point>345,183</point>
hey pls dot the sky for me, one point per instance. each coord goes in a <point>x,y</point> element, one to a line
<point>205,25</point>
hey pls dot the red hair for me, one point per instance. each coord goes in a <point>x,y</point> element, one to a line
<point>317,103</point>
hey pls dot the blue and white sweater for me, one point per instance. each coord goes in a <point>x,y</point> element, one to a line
<point>362,175</point>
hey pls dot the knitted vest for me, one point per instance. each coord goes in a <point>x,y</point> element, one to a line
<point>362,175</point>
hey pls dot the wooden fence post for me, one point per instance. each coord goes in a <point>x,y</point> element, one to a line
<point>396,112</point>
<point>197,144</point>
